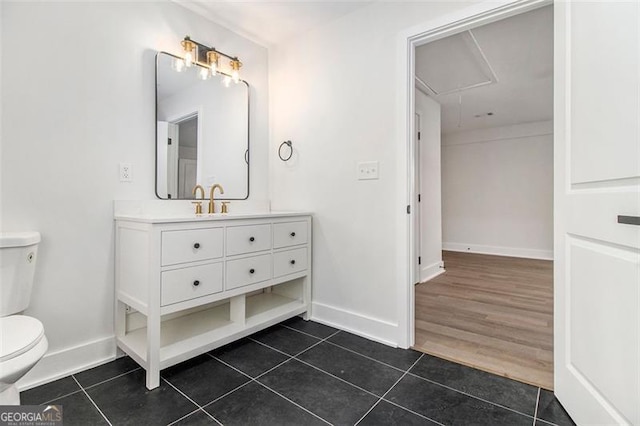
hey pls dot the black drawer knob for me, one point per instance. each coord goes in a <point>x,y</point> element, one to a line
<point>252,239</point>
<point>196,283</point>
<point>251,271</point>
<point>293,234</point>
<point>293,262</point>
<point>196,246</point>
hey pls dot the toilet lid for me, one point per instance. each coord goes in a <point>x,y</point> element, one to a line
<point>18,334</point>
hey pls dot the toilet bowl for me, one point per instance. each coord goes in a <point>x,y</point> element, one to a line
<point>22,339</point>
<point>22,345</point>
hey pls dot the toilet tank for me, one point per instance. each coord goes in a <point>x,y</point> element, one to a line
<point>18,255</point>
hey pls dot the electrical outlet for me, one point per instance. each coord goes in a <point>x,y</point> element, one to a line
<point>368,170</point>
<point>126,172</point>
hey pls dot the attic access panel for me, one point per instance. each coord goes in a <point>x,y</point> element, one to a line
<point>453,64</point>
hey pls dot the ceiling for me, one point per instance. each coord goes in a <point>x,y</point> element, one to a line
<point>495,75</point>
<point>269,22</point>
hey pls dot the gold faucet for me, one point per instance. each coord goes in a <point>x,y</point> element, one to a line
<point>195,190</point>
<point>198,204</point>
<point>212,206</point>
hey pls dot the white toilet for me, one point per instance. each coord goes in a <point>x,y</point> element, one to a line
<point>22,339</point>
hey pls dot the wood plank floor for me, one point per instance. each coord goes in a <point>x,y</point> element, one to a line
<point>493,313</point>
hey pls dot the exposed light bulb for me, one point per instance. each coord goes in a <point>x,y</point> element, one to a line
<point>226,81</point>
<point>212,59</point>
<point>178,65</point>
<point>189,49</point>
<point>235,67</point>
<point>204,73</point>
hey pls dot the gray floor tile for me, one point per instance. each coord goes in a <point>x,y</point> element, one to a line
<point>288,341</point>
<point>550,410</point>
<point>370,375</point>
<point>126,401</point>
<point>253,404</point>
<point>450,407</point>
<point>515,395</point>
<point>399,358</point>
<point>49,391</point>
<point>249,357</point>
<point>323,395</point>
<point>203,378</point>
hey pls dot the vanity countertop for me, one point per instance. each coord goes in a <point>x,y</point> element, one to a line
<point>175,218</point>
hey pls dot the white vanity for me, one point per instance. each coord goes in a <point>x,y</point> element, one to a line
<point>186,285</point>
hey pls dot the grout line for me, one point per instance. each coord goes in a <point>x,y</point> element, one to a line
<point>92,401</point>
<point>267,387</point>
<point>293,402</point>
<point>295,357</point>
<point>231,366</point>
<point>308,334</point>
<point>191,400</point>
<point>227,394</point>
<point>345,348</point>
<point>535,413</point>
<point>62,396</point>
<point>389,390</point>
<point>372,359</point>
<point>470,395</point>
<point>88,387</point>
<point>184,417</point>
<point>413,412</point>
<point>113,378</point>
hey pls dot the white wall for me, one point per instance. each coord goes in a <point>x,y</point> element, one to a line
<point>430,187</point>
<point>334,94</point>
<point>70,113</point>
<point>497,190</point>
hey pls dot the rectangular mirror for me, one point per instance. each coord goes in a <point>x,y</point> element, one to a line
<point>202,132</point>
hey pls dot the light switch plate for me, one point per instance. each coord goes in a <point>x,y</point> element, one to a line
<point>368,170</point>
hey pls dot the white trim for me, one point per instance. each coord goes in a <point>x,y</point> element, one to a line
<point>461,20</point>
<point>499,251</point>
<point>429,272</point>
<point>353,322</point>
<point>67,361</point>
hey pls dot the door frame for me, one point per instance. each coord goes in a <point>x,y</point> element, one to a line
<point>476,15</point>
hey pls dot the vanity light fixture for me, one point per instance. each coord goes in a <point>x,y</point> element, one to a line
<point>208,58</point>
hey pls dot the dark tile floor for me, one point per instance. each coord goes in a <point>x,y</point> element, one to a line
<point>300,373</point>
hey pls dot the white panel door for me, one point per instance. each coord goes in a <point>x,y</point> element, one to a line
<point>597,166</point>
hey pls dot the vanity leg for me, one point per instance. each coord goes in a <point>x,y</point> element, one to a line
<point>238,309</point>
<point>153,352</point>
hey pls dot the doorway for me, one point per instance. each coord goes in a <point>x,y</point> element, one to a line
<point>484,179</point>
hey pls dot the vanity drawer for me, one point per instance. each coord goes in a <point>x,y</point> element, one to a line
<point>191,245</point>
<point>250,270</point>
<point>183,284</point>
<point>289,262</point>
<point>289,234</point>
<point>248,239</point>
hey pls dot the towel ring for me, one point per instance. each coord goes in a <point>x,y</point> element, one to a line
<point>290,145</point>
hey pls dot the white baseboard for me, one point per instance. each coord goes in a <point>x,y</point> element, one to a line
<point>431,271</point>
<point>353,322</point>
<point>499,251</point>
<point>61,363</point>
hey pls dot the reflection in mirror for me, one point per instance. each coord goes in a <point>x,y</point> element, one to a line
<point>202,132</point>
